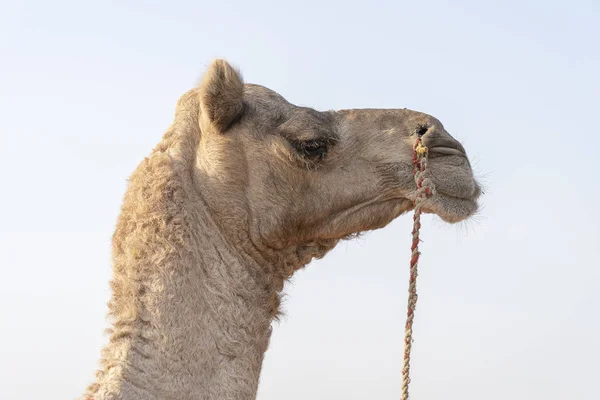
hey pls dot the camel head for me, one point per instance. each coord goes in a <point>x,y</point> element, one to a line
<point>282,176</point>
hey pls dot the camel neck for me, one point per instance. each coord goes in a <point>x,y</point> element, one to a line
<point>191,317</point>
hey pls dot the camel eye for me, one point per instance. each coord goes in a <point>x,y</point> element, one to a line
<point>313,149</point>
<point>422,130</point>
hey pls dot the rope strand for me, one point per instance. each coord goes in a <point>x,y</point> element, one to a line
<point>423,190</point>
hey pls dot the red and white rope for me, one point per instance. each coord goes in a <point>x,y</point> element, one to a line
<point>423,190</point>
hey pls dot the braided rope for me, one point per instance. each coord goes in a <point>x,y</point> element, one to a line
<point>423,190</point>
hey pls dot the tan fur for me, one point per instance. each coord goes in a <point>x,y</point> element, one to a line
<point>231,202</point>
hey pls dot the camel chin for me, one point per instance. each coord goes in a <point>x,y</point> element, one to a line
<point>450,209</point>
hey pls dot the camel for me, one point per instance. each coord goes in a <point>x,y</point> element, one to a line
<point>243,190</point>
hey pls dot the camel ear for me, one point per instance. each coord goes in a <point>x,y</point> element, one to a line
<point>221,91</point>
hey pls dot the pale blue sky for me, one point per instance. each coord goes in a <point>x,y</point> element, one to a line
<point>509,301</point>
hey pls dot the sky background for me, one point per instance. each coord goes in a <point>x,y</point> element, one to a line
<point>509,301</point>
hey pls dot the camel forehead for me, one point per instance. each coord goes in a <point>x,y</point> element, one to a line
<point>257,94</point>
<point>267,106</point>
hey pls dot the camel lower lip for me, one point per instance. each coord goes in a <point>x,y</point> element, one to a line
<point>446,150</point>
<point>451,209</point>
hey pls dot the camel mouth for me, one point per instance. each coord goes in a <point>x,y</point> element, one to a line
<point>455,197</point>
<point>455,189</point>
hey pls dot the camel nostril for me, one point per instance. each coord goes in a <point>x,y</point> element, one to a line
<point>422,130</point>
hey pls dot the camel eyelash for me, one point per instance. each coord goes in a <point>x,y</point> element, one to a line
<point>312,149</point>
